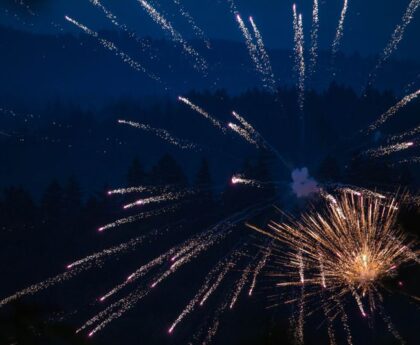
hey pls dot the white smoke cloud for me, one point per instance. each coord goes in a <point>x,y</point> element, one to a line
<point>302,184</point>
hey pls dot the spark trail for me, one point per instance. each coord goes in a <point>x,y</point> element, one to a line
<point>163,134</point>
<point>252,48</point>
<point>200,64</point>
<point>171,196</point>
<point>387,150</point>
<point>393,110</point>
<point>396,38</point>
<point>199,296</point>
<point>197,30</point>
<point>299,56</point>
<point>243,133</point>
<point>404,135</point>
<point>340,28</point>
<point>114,20</point>
<point>314,37</point>
<point>202,112</point>
<point>268,69</point>
<point>257,271</point>
<point>113,48</point>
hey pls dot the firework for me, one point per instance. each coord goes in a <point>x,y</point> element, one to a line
<point>387,150</point>
<point>114,20</point>
<point>393,110</point>
<point>340,28</point>
<point>197,30</point>
<point>344,251</point>
<point>299,56</point>
<point>252,48</point>
<point>268,70</point>
<point>202,112</point>
<point>396,37</point>
<point>314,37</point>
<point>243,133</point>
<point>167,26</point>
<point>113,48</point>
<point>161,133</point>
<point>404,135</point>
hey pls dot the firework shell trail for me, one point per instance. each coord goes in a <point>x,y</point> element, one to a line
<point>393,110</point>
<point>113,48</point>
<point>163,134</point>
<point>200,64</point>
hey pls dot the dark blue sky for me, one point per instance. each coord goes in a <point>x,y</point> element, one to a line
<point>368,26</point>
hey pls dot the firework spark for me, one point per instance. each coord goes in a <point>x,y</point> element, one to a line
<point>357,249</point>
<point>387,150</point>
<point>197,30</point>
<point>340,28</point>
<point>393,110</point>
<point>166,25</point>
<point>114,20</point>
<point>161,133</point>
<point>299,56</point>
<point>268,69</point>
<point>314,37</point>
<point>243,133</point>
<point>202,112</point>
<point>113,48</point>
<point>396,37</point>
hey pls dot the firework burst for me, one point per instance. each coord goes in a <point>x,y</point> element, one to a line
<point>346,250</point>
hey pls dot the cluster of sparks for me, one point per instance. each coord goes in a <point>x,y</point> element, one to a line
<point>344,252</point>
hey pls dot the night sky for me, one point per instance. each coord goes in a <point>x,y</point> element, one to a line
<point>368,26</point>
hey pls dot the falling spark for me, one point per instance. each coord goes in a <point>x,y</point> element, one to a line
<point>171,196</point>
<point>299,56</point>
<point>114,20</point>
<point>340,28</point>
<point>314,37</point>
<point>393,110</point>
<point>387,150</point>
<point>268,70</point>
<point>396,37</point>
<point>257,271</point>
<point>216,284</point>
<point>197,30</point>
<point>240,286</point>
<point>404,135</point>
<point>202,112</point>
<point>50,282</point>
<point>253,51</point>
<point>161,133</point>
<point>243,133</point>
<point>113,48</point>
<point>194,302</point>
<point>137,217</point>
<point>200,63</point>
<point>240,180</point>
